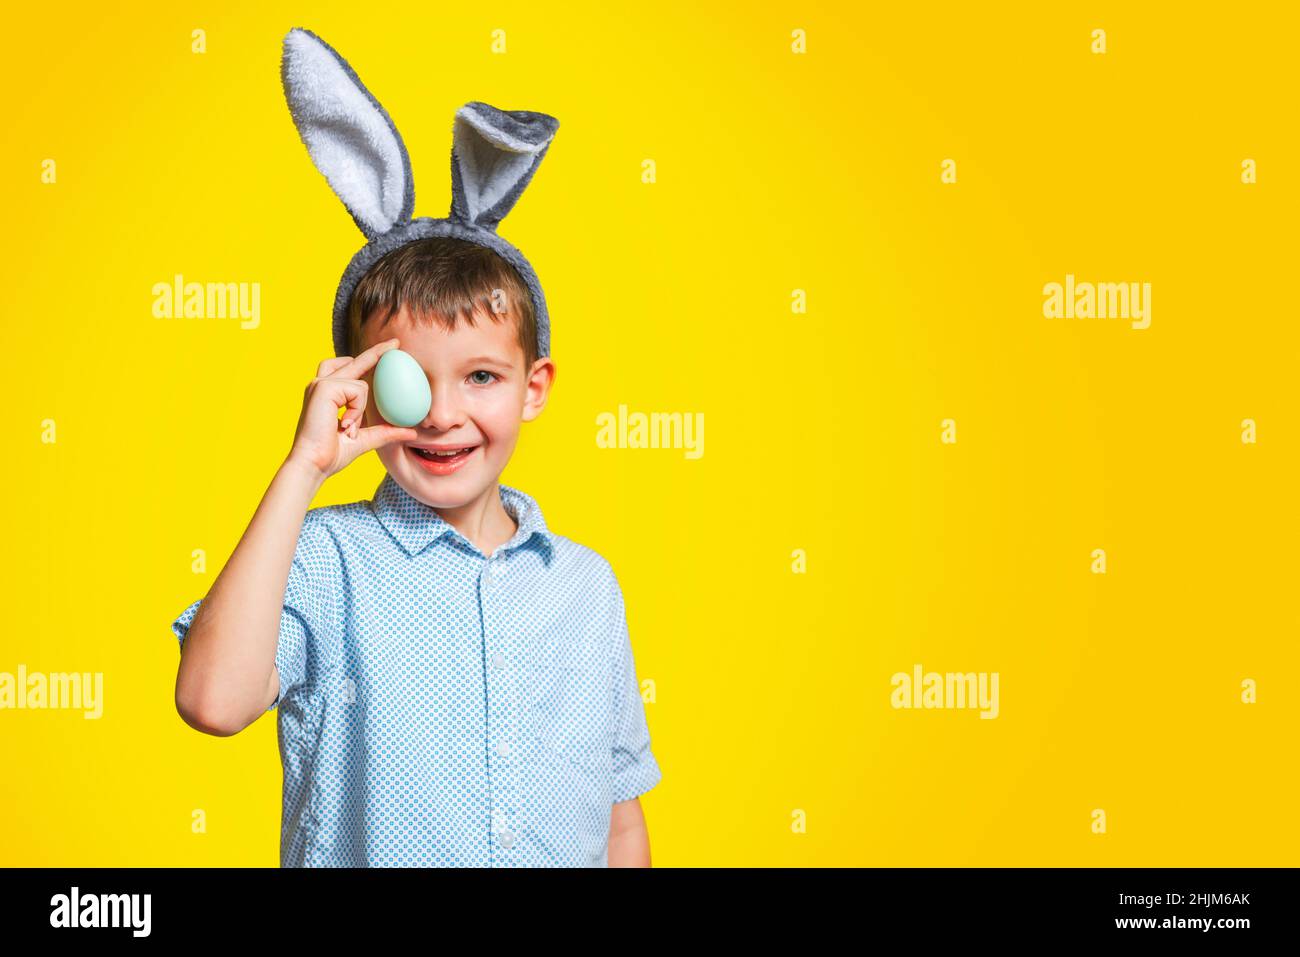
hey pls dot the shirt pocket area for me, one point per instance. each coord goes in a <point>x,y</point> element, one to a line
<point>569,703</point>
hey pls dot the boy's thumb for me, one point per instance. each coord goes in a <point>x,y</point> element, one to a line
<point>377,436</point>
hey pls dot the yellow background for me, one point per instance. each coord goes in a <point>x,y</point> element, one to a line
<point>775,172</point>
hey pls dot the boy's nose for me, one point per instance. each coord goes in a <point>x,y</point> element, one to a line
<point>445,409</point>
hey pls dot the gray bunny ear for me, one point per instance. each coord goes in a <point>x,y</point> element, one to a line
<point>349,136</point>
<point>494,154</point>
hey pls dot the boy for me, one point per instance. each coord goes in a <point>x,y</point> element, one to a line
<point>455,681</point>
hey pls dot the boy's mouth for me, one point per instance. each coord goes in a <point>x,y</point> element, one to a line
<point>440,460</point>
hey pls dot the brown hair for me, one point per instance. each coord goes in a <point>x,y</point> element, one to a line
<point>442,279</point>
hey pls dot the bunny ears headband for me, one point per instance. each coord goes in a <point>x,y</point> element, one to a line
<point>353,142</point>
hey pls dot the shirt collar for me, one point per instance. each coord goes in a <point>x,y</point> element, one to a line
<point>415,524</point>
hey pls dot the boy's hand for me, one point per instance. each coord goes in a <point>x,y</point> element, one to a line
<point>323,441</point>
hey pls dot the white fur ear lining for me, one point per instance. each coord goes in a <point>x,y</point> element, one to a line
<point>486,170</point>
<point>494,155</point>
<point>348,135</point>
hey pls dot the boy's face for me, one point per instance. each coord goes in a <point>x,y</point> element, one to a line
<point>481,394</point>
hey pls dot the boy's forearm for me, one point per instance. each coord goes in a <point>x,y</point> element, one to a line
<point>629,840</point>
<point>228,660</point>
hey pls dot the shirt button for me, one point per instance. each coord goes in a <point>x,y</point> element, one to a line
<point>498,662</point>
<point>503,748</point>
<point>507,838</point>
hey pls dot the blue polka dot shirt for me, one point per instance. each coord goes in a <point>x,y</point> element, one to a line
<point>438,707</point>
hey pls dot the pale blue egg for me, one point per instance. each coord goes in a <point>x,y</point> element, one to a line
<point>402,393</point>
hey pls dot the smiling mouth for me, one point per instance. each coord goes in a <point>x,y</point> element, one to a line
<point>448,456</point>
<point>441,462</point>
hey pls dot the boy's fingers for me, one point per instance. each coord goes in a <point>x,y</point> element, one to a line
<point>353,392</point>
<point>329,365</point>
<point>356,368</point>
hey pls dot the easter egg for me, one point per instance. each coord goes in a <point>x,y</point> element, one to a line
<point>401,389</point>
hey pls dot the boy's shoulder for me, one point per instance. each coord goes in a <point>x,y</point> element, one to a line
<point>330,530</point>
<point>574,558</point>
<point>323,519</point>
<point>568,557</point>
<point>328,515</point>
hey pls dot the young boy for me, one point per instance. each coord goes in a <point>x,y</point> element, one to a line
<point>455,681</point>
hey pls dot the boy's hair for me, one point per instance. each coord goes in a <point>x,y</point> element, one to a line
<point>440,279</point>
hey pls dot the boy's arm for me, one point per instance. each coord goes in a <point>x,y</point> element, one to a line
<point>629,842</point>
<point>227,675</point>
<point>635,768</point>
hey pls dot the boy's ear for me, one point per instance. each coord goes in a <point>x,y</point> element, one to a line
<point>494,154</point>
<point>349,136</point>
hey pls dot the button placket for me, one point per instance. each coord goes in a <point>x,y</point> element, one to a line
<point>503,728</point>
<point>502,828</point>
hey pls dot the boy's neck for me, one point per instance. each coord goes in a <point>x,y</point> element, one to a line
<point>484,520</point>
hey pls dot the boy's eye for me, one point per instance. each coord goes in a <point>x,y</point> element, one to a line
<point>478,372</point>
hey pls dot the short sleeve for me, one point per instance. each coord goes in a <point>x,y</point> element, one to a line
<point>307,618</point>
<point>635,768</point>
